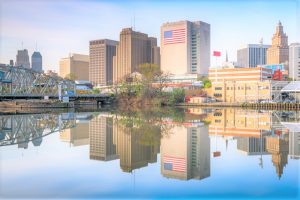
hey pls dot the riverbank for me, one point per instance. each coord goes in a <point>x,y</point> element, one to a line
<point>23,104</point>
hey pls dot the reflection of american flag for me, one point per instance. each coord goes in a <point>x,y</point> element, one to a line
<point>174,164</point>
<point>174,36</point>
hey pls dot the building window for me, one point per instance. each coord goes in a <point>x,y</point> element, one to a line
<point>218,88</point>
<point>217,95</point>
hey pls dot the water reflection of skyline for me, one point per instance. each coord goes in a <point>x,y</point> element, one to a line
<point>185,148</point>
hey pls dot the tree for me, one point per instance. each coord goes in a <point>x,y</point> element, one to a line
<point>149,71</point>
<point>177,96</point>
<point>96,91</point>
<point>71,77</point>
<point>206,82</point>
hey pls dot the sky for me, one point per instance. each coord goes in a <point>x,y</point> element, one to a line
<point>58,28</point>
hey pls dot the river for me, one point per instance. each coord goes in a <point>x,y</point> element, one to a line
<point>187,153</point>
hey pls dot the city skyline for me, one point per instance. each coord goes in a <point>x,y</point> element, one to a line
<point>82,22</point>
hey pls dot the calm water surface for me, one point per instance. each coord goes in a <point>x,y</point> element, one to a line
<point>202,153</point>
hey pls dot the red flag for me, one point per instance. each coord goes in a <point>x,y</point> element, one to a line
<point>217,53</point>
<point>217,153</point>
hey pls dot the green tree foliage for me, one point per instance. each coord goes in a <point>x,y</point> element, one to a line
<point>206,82</point>
<point>71,77</point>
<point>149,71</point>
<point>176,96</point>
<point>96,91</point>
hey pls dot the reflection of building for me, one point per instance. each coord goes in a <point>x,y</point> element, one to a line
<point>185,153</point>
<point>76,66</point>
<point>101,61</point>
<point>252,55</point>
<point>294,145</point>
<point>185,47</point>
<point>251,146</point>
<point>133,153</point>
<point>101,139</point>
<point>243,123</point>
<point>78,135</point>
<point>279,148</point>
<point>278,53</point>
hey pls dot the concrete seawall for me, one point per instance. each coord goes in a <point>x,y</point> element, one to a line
<point>267,106</point>
<point>34,104</point>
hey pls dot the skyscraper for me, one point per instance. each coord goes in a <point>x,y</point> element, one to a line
<point>22,59</point>
<point>134,48</point>
<point>76,66</point>
<point>185,47</point>
<point>37,62</point>
<point>252,55</point>
<point>101,61</point>
<point>294,61</point>
<point>278,53</point>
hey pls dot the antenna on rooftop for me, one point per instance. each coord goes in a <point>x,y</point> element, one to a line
<point>35,46</point>
<point>134,22</point>
<point>261,53</point>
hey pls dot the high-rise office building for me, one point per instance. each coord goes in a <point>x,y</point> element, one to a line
<point>22,59</point>
<point>251,55</point>
<point>37,62</point>
<point>101,61</point>
<point>278,53</point>
<point>76,66</point>
<point>134,48</point>
<point>101,139</point>
<point>294,61</point>
<point>11,63</point>
<point>185,47</point>
<point>185,154</point>
<point>155,51</point>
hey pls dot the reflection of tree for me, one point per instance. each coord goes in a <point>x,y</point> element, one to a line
<point>150,123</point>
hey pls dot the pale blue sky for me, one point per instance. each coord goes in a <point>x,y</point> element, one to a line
<point>63,27</point>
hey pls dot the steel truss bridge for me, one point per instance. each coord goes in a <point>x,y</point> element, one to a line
<point>23,83</point>
<point>20,81</point>
<point>22,129</point>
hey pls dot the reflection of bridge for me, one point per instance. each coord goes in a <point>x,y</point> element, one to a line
<point>23,83</point>
<point>22,129</point>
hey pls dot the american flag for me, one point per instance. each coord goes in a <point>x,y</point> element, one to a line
<point>174,164</point>
<point>174,36</point>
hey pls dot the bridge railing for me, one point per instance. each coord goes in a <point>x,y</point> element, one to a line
<point>23,81</point>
